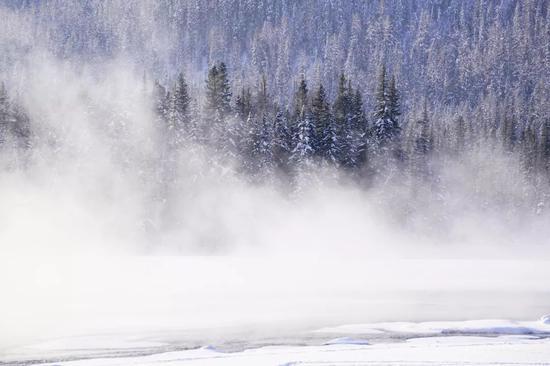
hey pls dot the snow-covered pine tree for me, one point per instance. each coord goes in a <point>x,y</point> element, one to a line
<point>224,89</point>
<point>321,115</point>
<point>303,151</point>
<point>332,142</point>
<point>263,98</point>
<point>282,141</point>
<point>353,132</point>
<point>212,91</point>
<point>422,144</point>
<point>161,100</point>
<point>394,105</point>
<point>243,104</point>
<point>386,125</point>
<point>360,129</point>
<point>262,151</point>
<point>300,99</point>
<point>218,92</point>
<point>342,103</point>
<point>218,98</point>
<point>341,129</point>
<point>195,130</point>
<point>179,116</point>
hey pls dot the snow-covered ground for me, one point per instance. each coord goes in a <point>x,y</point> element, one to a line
<point>476,342</point>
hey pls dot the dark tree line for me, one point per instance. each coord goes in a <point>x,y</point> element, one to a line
<point>261,137</point>
<point>266,137</point>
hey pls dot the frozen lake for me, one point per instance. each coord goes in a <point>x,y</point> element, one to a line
<point>187,310</point>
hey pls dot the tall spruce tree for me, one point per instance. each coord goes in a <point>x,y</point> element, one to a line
<point>360,128</point>
<point>423,143</point>
<point>300,99</point>
<point>394,105</point>
<point>262,98</point>
<point>301,108</point>
<point>303,150</point>
<point>333,143</point>
<point>386,125</point>
<point>282,141</point>
<point>341,130</point>
<point>218,91</point>
<point>222,130</point>
<point>161,100</point>
<point>320,111</point>
<point>342,103</point>
<point>243,104</point>
<point>180,111</point>
<point>262,148</point>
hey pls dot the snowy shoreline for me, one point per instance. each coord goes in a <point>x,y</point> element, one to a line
<point>473,342</point>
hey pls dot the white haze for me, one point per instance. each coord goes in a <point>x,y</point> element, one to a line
<point>86,200</point>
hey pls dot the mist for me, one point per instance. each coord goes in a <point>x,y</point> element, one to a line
<point>89,189</point>
<point>100,233</point>
<point>92,183</point>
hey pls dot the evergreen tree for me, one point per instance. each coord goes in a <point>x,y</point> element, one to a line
<point>320,111</point>
<point>342,103</point>
<point>262,104</point>
<point>179,116</point>
<point>243,104</point>
<point>282,141</point>
<point>354,131</point>
<point>360,129</point>
<point>303,151</point>
<point>386,125</point>
<point>423,144</point>
<point>394,105</point>
<point>360,122</point>
<point>333,143</point>
<point>262,151</point>
<point>300,100</point>
<point>218,92</point>
<point>195,132</point>
<point>222,131</point>
<point>342,129</point>
<point>161,103</point>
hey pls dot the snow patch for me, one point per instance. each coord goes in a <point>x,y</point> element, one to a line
<point>209,348</point>
<point>488,327</point>
<point>346,340</point>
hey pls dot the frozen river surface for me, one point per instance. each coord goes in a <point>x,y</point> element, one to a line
<point>227,311</point>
